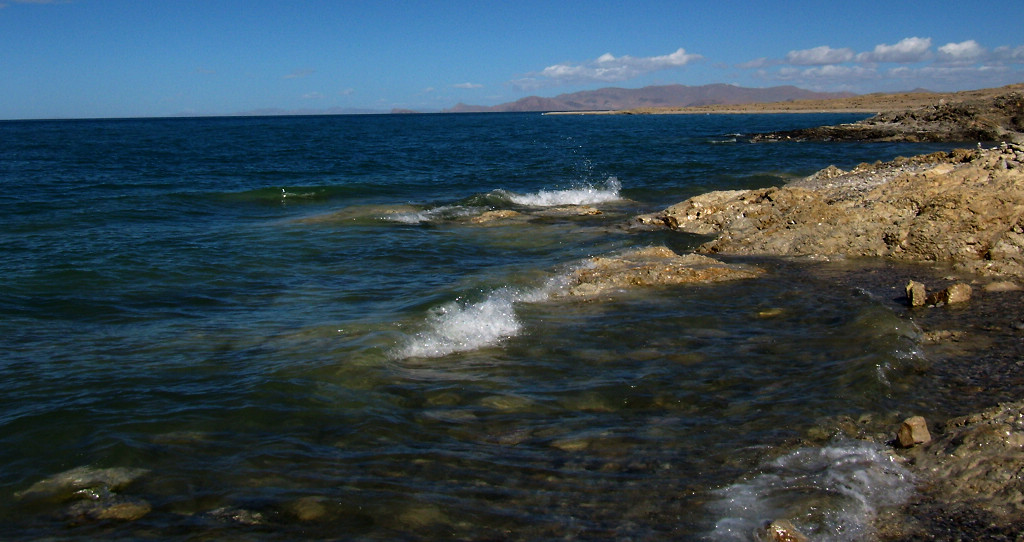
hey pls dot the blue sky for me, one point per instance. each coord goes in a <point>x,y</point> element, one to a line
<point>125,58</point>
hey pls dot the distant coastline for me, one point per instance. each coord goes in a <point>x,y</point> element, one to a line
<point>867,103</point>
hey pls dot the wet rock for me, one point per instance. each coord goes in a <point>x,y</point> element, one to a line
<point>308,509</point>
<point>782,530</point>
<point>913,431</point>
<point>917,294</point>
<point>976,462</point>
<point>81,482</point>
<point>956,293</point>
<point>114,508</point>
<point>653,266</point>
<point>488,217</point>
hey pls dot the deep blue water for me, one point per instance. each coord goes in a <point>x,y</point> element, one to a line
<point>292,327</point>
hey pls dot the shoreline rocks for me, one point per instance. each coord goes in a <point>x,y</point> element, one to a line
<point>652,266</point>
<point>965,207</point>
<point>997,118</point>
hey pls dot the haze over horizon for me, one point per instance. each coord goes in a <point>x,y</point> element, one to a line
<point>123,58</point>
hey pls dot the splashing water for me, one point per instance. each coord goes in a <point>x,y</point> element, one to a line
<point>830,493</point>
<point>584,195</point>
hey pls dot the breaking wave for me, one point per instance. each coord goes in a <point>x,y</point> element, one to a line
<point>461,326</point>
<point>583,195</point>
<point>829,493</point>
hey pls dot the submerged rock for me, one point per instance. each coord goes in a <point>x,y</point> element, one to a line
<point>782,530</point>
<point>652,266</point>
<point>81,482</point>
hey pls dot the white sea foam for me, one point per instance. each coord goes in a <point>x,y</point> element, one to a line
<point>461,326</point>
<point>583,195</point>
<point>830,493</point>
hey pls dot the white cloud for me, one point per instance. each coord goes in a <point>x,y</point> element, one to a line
<point>346,92</point>
<point>606,68</point>
<point>468,85</point>
<point>965,51</point>
<point>819,56</point>
<point>907,50</point>
<point>312,96</point>
<point>1006,53</point>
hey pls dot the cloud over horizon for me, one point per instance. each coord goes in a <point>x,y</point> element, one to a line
<point>915,63</point>
<point>606,68</point>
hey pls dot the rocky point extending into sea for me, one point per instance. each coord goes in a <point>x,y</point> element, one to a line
<point>963,208</point>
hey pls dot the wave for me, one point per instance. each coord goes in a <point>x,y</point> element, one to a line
<point>461,326</point>
<point>582,195</point>
<point>829,493</point>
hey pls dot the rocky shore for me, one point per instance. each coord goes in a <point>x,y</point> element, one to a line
<point>998,117</point>
<point>963,208</point>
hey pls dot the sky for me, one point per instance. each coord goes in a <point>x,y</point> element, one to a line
<point>143,58</point>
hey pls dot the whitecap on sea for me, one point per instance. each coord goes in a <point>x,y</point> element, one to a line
<point>582,195</point>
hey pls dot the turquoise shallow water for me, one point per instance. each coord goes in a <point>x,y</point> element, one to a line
<point>273,328</point>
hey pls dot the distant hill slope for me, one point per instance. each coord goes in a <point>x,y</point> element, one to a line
<point>612,98</point>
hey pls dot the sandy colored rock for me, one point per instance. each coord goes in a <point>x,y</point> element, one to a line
<point>493,216</point>
<point>956,293</point>
<point>917,294</point>
<point>958,207</point>
<point>652,266</point>
<point>913,431</point>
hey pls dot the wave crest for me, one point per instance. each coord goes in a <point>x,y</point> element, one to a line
<point>583,195</point>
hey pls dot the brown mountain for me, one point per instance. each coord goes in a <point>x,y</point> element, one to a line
<point>607,99</point>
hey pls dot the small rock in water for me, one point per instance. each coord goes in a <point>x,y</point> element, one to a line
<point>916,293</point>
<point>957,293</point>
<point>914,431</point>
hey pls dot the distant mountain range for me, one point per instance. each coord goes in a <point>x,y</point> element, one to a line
<point>654,96</point>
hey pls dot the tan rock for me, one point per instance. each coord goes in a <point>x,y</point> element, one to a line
<point>954,207</point>
<point>914,431</point>
<point>652,266</point>
<point>916,293</point>
<point>492,216</point>
<point>956,293</point>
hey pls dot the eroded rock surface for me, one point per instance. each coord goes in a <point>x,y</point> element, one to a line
<point>964,207</point>
<point>652,266</point>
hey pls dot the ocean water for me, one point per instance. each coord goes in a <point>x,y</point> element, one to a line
<point>299,327</point>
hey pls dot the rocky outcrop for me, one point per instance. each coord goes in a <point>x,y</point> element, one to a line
<point>653,266</point>
<point>998,118</point>
<point>965,207</point>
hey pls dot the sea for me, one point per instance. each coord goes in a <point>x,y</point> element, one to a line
<point>356,328</point>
